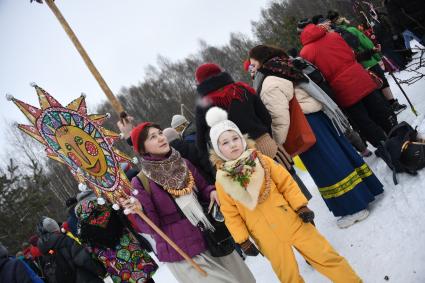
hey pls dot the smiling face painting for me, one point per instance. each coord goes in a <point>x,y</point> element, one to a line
<point>82,149</point>
<point>77,139</point>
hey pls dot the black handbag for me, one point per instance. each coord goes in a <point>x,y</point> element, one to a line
<point>220,242</point>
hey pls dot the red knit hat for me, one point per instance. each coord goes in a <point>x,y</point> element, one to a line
<point>206,71</point>
<point>135,133</point>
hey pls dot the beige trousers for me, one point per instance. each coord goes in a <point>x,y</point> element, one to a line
<point>226,269</point>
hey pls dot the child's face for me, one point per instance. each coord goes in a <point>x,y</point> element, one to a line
<point>230,144</point>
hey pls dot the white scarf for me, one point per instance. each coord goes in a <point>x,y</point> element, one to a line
<point>330,108</point>
<point>193,211</point>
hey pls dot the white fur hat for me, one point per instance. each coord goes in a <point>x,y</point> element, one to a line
<point>217,119</point>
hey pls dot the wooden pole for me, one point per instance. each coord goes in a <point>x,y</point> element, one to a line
<point>171,243</point>
<point>111,97</point>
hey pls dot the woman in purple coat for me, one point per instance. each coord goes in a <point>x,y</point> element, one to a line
<point>171,202</point>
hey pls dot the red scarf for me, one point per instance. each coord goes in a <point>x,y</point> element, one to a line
<point>224,96</point>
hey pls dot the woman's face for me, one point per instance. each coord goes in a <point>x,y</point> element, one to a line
<point>230,145</point>
<point>255,65</point>
<point>156,143</point>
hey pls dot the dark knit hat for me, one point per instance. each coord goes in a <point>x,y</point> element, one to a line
<point>135,133</point>
<point>333,15</point>
<point>302,24</point>
<point>318,19</point>
<point>206,71</point>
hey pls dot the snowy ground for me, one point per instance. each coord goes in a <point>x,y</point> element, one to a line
<point>390,242</point>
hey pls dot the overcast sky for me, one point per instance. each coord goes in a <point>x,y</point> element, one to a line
<point>121,37</point>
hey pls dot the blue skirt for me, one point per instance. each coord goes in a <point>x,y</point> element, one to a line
<point>345,181</point>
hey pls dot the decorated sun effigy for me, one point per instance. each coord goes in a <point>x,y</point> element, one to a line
<point>78,140</point>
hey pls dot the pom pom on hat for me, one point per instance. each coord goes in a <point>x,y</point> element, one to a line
<point>215,115</point>
<point>206,71</point>
<point>217,119</point>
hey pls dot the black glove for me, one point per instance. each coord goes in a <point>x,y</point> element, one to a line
<point>306,214</point>
<point>249,248</point>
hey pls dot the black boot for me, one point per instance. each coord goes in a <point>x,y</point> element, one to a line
<point>392,121</point>
<point>396,107</point>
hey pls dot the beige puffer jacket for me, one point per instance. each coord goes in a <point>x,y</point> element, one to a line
<point>276,93</point>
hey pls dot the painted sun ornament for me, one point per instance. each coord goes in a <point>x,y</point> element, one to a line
<point>77,139</point>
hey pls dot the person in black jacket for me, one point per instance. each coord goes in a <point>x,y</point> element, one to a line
<point>407,15</point>
<point>80,262</point>
<point>13,270</point>
<point>244,107</point>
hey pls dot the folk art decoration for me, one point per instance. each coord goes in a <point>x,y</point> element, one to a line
<point>78,140</point>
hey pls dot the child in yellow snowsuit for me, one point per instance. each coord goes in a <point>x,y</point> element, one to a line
<point>259,199</point>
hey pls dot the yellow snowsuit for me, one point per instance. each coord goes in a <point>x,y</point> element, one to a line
<point>275,227</point>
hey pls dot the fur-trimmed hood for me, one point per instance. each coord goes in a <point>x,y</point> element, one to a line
<point>217,162</point>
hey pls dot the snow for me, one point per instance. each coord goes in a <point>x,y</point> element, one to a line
<point>391,241</point>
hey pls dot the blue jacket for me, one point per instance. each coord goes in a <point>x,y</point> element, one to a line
<point>34,277</point>
<point>13,270</point>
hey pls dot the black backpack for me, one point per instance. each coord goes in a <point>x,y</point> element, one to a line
<point>401,151</point>
<point>58,268</point>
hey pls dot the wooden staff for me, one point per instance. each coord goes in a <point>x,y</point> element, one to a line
<point>170,242</point>
<point>111,97</point>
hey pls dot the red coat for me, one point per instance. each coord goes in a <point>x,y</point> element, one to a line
<point>349,81</point>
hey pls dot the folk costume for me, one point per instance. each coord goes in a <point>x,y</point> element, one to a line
<point>259,199</point>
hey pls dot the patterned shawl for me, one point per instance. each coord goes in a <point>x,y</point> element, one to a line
<point>170,173</point>
<point>282,67</point>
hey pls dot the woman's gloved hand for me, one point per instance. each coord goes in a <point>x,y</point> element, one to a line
<point>306,214</point>
<point>249,248</point>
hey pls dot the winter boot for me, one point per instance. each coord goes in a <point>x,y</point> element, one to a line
<point>396,107</point>
<point>348,220</point>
